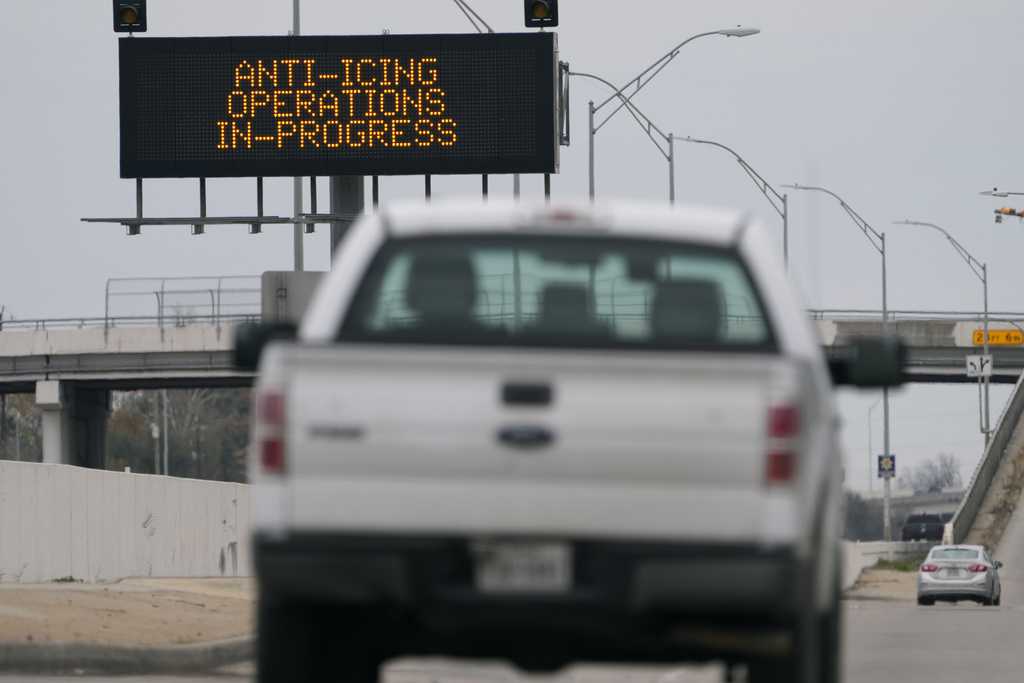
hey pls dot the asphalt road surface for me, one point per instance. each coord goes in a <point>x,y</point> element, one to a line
<point>885,642</point>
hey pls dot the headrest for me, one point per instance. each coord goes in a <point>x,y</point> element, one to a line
<point>441,285</point>
<point>565,305</point>
<point>689,311</point>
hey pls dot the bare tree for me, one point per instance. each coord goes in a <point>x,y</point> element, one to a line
<point>931,476</point>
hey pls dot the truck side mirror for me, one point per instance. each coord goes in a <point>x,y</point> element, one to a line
<point>868,362</point>
<point>251,338</point>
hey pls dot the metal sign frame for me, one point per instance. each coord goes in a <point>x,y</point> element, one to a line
<point>176,98</point>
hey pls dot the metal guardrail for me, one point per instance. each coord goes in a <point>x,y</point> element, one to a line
<point>897,315</point>
<point>200,299</point>
<point>985,472</point>
<point>125,321</point>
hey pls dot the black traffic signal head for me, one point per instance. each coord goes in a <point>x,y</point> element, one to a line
<point>540,13</point>
<point>129,16</point>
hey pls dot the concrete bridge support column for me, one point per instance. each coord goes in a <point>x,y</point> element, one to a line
<point>74,423</point>
<point>50,401</point>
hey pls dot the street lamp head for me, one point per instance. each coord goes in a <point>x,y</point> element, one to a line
<point>994,192</point>
<point>739,32</point>
<point>794,186</point>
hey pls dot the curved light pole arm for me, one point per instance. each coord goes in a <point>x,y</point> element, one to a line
<point>876,238</point>
<point>659,64</point>
<point>980,270</point>
<point>975,265</point>
<point>470,13</point>
<point>642,78</point>
<point>648,74</point>
<point>645,123</point>
<point>779,202</point>
<point>771,194</point>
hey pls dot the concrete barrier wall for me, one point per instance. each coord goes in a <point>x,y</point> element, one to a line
<point>966,515</point>
<point>860,556</point>
<point>136,339</point>
<point>60,521</point>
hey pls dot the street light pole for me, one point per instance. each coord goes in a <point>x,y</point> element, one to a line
<point>877,240</point>
<point>785,230</point>
<point>590,109</point>
<point>671,169</point>
<point>988,414</point>
<point>980,271</point>
<point>779,202</point>
<point>871,450</point>
<point>886,481</point>
<point>661,139</point>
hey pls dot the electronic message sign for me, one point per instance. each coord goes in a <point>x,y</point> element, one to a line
<point>338,105</point>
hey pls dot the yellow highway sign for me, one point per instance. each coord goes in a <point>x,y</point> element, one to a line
<point>998,337</point>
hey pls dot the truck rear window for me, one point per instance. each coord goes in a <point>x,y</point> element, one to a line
<point>535,290</point>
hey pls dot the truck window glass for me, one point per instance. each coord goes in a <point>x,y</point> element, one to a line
<point>559,291</point>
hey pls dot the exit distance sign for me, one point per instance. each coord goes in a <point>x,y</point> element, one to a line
<point>338,105</point>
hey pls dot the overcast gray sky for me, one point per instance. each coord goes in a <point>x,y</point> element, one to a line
<point>907,109</point>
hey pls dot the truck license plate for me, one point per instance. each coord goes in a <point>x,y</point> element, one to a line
<point>523,567</point>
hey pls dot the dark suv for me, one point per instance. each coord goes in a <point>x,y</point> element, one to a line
<point>923,527</point>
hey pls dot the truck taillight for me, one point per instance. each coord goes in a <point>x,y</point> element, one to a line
<point>781,457</point>
<point>270,428</point>
<point>783,422</point>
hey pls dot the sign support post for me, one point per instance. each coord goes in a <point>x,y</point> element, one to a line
<point>297,228</point>
<point>347,202</point>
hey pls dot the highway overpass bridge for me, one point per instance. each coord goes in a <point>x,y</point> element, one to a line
<point>72,365</point>
<point>939,342</point>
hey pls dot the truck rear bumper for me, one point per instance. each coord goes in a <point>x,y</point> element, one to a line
<point>695,513</point>
<point>434,577</point>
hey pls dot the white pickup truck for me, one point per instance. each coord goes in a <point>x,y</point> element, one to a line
<point>550,433</point>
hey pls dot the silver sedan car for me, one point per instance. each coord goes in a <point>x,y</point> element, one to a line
<point>959,572</point>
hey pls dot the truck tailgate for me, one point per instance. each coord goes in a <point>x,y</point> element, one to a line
<point>417,419</point>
